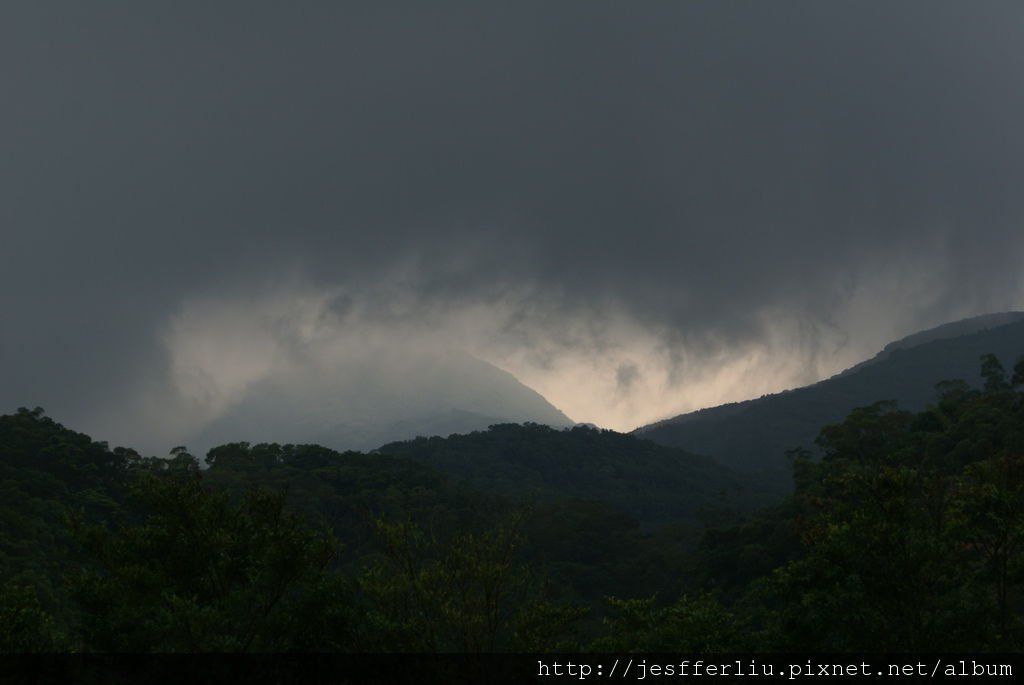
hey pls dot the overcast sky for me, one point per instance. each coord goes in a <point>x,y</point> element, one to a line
<point>636,208</point>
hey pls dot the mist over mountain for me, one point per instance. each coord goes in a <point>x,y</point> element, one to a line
<point>756,434</point>
<point>638,210</point>
<point>373,399</point>
<point>277,233</point>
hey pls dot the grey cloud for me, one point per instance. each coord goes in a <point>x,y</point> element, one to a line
<point>684,171</point>
<point>625,376</point>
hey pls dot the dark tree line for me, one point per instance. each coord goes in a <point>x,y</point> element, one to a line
<point>907,534</point>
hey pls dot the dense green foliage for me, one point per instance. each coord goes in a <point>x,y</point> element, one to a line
<point>653,483</point>
<point>906,534</point>
<point>199,572</point>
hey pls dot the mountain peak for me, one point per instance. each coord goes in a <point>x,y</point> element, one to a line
<point>376,401</point>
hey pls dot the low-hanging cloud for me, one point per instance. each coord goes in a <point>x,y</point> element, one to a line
<point>636,212</point>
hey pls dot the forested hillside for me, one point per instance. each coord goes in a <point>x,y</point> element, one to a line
<point>653,483</point>
<point>755,435</point>
<point>907,534</point>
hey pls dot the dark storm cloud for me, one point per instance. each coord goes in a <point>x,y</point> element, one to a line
<point>693,164</point>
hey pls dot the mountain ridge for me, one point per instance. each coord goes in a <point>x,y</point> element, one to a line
<point>755,434</point>
<point>371,403</point>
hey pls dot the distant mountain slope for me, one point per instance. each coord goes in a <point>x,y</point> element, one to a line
<point>653,483</point>
<point>755,434</point>
<point>954,329</point>
<point>369,403</point>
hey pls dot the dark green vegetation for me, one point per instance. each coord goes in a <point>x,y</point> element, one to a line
<point>907,534</point>
<point>755,435</point>
<point>654,484</point>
